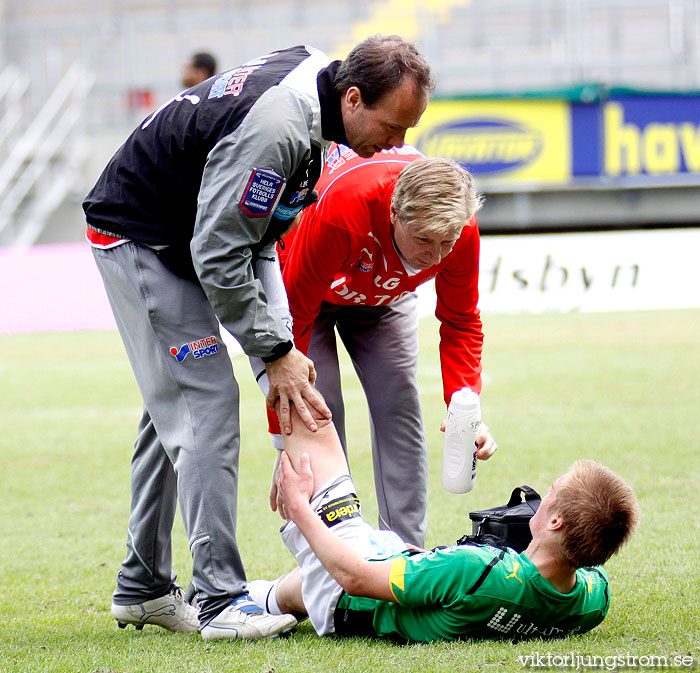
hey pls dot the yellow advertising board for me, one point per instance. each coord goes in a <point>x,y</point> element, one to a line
<point>527,140</point>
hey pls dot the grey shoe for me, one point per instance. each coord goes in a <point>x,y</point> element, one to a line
<point>170,611</point>
<point>244,619</point>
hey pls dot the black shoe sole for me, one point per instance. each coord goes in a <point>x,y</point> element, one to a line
<point>123,625</point>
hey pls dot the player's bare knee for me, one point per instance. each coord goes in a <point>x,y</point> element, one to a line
<point>299,425</point>
<point>321,421</point>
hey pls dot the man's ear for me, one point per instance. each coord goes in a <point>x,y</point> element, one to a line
<point>353,98</point>
<point>556,522</point>
<point>392,213</point>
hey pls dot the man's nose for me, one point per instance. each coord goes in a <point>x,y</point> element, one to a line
<point>396,139</point>
<point>434,253</point>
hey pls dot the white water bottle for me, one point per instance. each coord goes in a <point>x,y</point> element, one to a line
<point>461,430</point>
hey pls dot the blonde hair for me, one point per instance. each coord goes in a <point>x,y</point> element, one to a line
<point>600,513</point>
<point>435,195</point>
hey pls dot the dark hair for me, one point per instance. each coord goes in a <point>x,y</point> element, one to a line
<point>205,61</point>
<point>378,65</point>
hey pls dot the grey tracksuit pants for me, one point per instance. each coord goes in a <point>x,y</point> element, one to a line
<point>188,440</point>
<point>382,342</point>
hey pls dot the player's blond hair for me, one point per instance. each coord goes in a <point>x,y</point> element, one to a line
<point>435,195</point>
<point>600,513</point>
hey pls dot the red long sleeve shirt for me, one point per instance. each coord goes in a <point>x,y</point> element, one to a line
<point>343,252</point>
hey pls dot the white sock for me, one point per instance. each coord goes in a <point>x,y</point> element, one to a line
<point>264,593</point>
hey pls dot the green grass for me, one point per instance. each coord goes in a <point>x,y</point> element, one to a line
<point>622,388</point>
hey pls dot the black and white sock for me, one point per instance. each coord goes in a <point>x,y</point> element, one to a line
<point>264,593</point>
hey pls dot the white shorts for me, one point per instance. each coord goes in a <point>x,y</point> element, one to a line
<point>319,590</point>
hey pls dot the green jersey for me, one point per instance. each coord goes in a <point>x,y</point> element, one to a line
<point>472,591</point>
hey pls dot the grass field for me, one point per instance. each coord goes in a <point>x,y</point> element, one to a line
<point>622,388</point>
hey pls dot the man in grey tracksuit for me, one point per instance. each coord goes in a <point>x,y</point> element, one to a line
<point>180,221</point>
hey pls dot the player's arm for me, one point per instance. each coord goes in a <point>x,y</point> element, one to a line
<point>273,137</point>
<point>461,334</point>
<point>355,575</point>
<point>226,228</point>
<point>266,269</point>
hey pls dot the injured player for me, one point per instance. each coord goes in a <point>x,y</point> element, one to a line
<point>354,580</point>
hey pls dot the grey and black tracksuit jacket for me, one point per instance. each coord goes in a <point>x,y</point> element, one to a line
<point>217,173</point>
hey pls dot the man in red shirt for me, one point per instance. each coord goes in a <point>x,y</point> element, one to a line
<point>381,227</point>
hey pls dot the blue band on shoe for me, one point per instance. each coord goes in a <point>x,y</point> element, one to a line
<point>245,603</point>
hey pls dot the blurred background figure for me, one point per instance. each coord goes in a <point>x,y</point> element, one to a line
<point>201,66</point>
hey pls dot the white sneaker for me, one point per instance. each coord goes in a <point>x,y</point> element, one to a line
<point>246,620</point>
<point>170,611</point>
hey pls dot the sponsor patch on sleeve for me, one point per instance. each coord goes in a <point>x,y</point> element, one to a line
<point>261,192</point>
<point>340,509</point>
<point>283,212</point>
